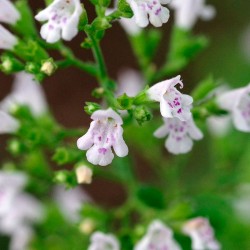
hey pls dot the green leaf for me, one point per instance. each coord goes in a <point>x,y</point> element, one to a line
<point>151,196</point>
<point>125,9</point>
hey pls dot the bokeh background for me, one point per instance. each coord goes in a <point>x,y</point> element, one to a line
<point>227,58</point>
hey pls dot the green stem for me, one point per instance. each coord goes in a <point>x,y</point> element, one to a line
<point>96,49</point>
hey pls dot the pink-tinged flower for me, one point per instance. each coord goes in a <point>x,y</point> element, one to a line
<point>70,202</point>
<point>26,91</point>
<point>101,241</point>
<point>11,184</point>
<point>7,40</point>
<point>105,132</point>
<point>152,11</point>
<point>180,135</point>
<point>187,12</point>
<point>172,102</point>
<point>63,17</point>
<point>8,124</point>
<point>201,234</point>
<point>8,12</point>
<point>237,102</point>
<point>157,237</point>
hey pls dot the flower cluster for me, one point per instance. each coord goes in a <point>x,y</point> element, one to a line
<point>159,236</point>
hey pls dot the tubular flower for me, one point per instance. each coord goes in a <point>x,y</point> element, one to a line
<point>8,12</point>
<point>26,91</point>
<point>152,11</point>
<point>172,102</point>
<point>63,18</point>
<point>202,234</point>
<point>157,237</point>
<point>104,133</point>
<point>180,135</point>
<point>10,185</point>
<point>101,241</point>
<point>187,12</point>
<point>237,102</point>
<point>7,40</point>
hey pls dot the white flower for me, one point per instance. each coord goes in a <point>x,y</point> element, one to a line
<point>180,135</point>
<point>25,91</point>
<point>84,175</point>
<point>237,102</point>
<point>10,185</point>
<point>24,211</point>
<point>129,82</point>
<point>187,12</point>
<point>70,202</point>
<point>101,241</point>
<point>104,133</point>
<point>172,102</point>
<point>18,210</point>
<point>157,237</point>
<point>8,124</point>
<point>219,126</point>
<point>202,234</point>
<point>63,18</point>
<point>7,40</point>
<point>8,12</point>
<point>152,8</point>
<point>128,24</point>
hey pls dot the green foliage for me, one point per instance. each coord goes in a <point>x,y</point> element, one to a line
<point>151,196</point>
<point>124,9</point>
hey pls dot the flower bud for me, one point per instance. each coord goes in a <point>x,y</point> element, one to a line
<point>84,175</point>
<point>91,107</point>
<point>87,226</point>
<point>10,64</point>
<point>141,114</point>
<point>48,67</point>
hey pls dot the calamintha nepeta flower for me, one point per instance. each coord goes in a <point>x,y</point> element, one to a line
<point>10,185</point>
<point>238,103</point>
<point>157,237</point>
<point>104,133</point>
<point>18,210</point>
<point>172,102</point>
<point>187,12</point>
<point>7,40</point>
<point>70,202</point>
<point>180,135</point>
<point>201,234</point>
<point>152,11</point>
<point>25,91</point>
<point>8,12</point>
<point>101,241</point>
<point>63,18</point>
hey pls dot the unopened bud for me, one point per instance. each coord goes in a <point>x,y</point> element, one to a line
<point>91,107</point>
<point>87,226</point>
<point>48,67</point>
<point>142,115</point>
<point>84,175</point>
<point>10,64</point>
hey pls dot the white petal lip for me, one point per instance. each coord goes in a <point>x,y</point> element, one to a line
<point>8,124</point>
<point>52,32</point>
<point>103,241</point>
<point>7,40</point>
<point>8,12</point>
